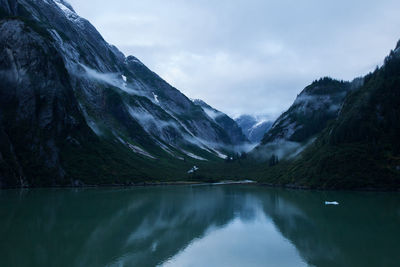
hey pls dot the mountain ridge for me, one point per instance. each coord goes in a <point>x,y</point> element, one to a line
<point>297,127</point>
<point>75,111</point>
<point>82,110</point>
<point>359,149</point>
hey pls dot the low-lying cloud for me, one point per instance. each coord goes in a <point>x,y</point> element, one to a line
<point>282,149</point>
<point>249,56</point>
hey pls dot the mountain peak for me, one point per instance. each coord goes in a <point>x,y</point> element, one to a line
<point>203,104</point>
<point>87,105</point>
<point>131,59</point>
<point>65,4</point>
<point>224,121</point>
<point>397,49</point>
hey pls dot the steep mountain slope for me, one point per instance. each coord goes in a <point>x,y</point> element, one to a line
<point>228,124</point>
<point>361,148</point>
<point>74,109</point>
<point>313,108</point>
<point>254,129</point>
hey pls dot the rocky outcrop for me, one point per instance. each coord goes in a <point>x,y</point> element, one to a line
<point>72,106</point>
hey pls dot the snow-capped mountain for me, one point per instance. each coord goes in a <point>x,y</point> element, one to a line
<point>253,128</point>
<point>73,107</point>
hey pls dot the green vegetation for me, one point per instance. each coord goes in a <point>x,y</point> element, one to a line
<point>311,119</point>
<point>361,148</point>
<point>45,136</point>
<point>358,150</point>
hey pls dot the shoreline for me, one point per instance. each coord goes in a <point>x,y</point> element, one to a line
<point>142,184</point>
<point>196,183</point>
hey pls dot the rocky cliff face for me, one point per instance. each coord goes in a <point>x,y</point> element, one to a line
<point>313,108</point>
<point>359,148</point>
<point>70,102</point>
<point>310,113</point>
<point>233,130</point>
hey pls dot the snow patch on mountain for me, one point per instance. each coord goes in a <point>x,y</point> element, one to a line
<point>155,97</point>
<point>63,2</point>
<point>220,155</point>
<point>193,155</point>
<point>140,151</point>
<point>70,13</point>
<point>134,148</point>
<point>258,124</point>
<point>254,127</point>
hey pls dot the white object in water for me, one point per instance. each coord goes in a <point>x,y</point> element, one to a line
<point>331,203</point>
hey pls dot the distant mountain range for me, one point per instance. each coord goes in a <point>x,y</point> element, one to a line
<point>75,111</point>
<point>231,127</point>
<point>254,128</point>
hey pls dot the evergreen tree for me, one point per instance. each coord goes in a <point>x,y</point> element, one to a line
<point>273,160</point>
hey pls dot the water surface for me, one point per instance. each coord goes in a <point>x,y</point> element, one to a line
<point>224,225</point>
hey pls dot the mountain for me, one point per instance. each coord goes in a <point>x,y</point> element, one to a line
<point>224,121</point>
<point>360,149</point>
<point>253,128</point>
<point>74,110</point>
<point>313,108</point>
<point>310,113</point>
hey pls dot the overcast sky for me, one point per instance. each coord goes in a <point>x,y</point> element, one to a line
<point>248,56</point>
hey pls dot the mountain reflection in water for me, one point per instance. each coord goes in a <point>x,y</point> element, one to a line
<point>226,225</point>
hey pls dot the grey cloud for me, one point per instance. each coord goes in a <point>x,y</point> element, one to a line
<point>249,56</point>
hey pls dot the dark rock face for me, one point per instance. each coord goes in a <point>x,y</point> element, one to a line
<point>37,105</point>
<point>359,149</point>
<point>70,102</point>
<point>225,122</point>
<point>317,104</point>
<point>298,127</point>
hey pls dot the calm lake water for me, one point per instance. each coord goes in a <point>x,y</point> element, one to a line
<point>224,225</point>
